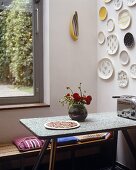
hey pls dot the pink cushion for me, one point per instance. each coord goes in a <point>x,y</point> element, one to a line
<point>28,143</point>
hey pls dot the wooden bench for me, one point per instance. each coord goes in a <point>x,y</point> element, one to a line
<point>9,152</point>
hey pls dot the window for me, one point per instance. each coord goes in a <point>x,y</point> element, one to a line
<point>21,51</point>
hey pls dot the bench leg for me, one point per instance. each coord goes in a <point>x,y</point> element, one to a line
<point>52,154</point>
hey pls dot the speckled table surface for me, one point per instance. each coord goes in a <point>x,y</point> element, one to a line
<point>95,122</point>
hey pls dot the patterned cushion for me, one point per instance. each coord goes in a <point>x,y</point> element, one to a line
<point>28,143</point>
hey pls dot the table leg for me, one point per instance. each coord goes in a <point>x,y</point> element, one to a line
<point>52,154</point>
<point>40,156</point>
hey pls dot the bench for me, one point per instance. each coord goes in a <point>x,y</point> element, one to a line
<point>9,152</point>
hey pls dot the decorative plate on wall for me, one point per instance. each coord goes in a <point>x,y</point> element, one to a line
<point>107,1</point>
<point>122,78</point>
<point>117,4</point>
<point>102,13</point>
<point>133,71</point>
<point>129,40</point>
<point>105,68</point>
<point>124,57</point>
<point>101,37</point>
<point>124,19</point>
<point>130,2</point>
<point>110,25</point>
<point>112,44</point>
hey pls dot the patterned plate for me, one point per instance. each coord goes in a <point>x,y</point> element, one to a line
<point>124,57</point>
<point>105,68</point>
<point>130,2</point>
<point>117,4</point>
<point>112,44</point>
<point>102,13</point>
<point>124,19</point>
<point>122,78</point>
<point>101,37</point>
<point>129,40</point>
<point>110,25</point>
<point>133,71</point>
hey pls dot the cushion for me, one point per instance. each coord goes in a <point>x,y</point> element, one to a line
<point>66,140</point>
<point>28,143</point>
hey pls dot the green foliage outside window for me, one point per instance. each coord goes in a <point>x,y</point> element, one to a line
<point>16,61</point>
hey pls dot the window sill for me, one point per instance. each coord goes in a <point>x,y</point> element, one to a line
<point>23,106</point>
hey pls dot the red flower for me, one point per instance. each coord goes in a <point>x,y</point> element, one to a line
<point>68,94</point>
<point>76,97</point>
<point>88,99</point>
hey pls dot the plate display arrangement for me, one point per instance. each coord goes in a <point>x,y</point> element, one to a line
<point>124,57</point>
<point>122,79</point>
<point>110,25</point>
<point>133,71</point>
<point>124,19</point>
<point>61,125</point>
<point>105,68</point>
<point>117,4</point>
<point>112,44</point>
<point>103,13</point>
<point>130,2</point>
<point>129,40</point>
<point>101,37</point>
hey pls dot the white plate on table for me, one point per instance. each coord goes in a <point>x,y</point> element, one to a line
<point>62,125</point>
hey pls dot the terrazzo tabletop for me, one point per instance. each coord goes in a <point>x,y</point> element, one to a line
<point>95,122</point>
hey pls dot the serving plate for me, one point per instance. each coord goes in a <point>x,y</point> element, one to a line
<point>122,79</point>
<point>112,44</point>
<point>117,4</point>
<point>101,37</point>
<point>124,19</point>
<point>103,13</point>
<point>105,68</point>
<point>124,57</point>
<point>133,71</point>
<point>62,125</point>
<point>110,25</point>
<point>130,2</point>
<point>129,40</point>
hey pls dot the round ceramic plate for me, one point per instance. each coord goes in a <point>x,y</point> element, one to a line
<point>112,44</point>
<point>130,2</point>
<point>107,1</point>
<point>124,19</point>
<point>61,125</point>
<point>101,37</point>
<point>105,68</point>
<point>122,78</point>
<point>102,13</point>
<point>124,57</point>
<point>129,40</point>
<point>110,25</point>
<point>117,4</point>
<point>133,71</point>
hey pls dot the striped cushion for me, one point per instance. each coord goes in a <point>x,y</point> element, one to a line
<point>28,143</point>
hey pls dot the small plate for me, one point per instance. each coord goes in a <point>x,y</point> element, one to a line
<point>110,25</point>
<point>107,1</point>
<point>118,4</point>
<point>62,125</point>
<point>130,2</point>
<point>101,37</point>
<point>129,40</point>
<point>122,79</point>
<point>105,68</point>
<point>124,57</point>
<point>102,13</point>
<point>124,19</point>
<point>133,71</point>
<point>112,44</point>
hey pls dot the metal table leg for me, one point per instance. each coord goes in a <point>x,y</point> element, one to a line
<point>52,154</point>
<point>40,156</point>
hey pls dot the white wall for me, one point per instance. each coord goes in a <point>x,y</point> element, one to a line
<point>107,88</point>
<point>69,62</point>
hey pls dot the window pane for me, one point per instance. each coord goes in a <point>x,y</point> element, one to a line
<point>16,48</point>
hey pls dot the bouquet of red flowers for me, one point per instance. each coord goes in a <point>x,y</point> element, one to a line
<point>76,98</point>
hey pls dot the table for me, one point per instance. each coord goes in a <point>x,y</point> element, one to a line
<point>94,123</point>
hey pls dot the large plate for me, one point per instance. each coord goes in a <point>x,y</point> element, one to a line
<point>124,19</point>
<point>101,37</point>
<point>112,44</point>
<point>110,25</point>
<point>133,71</point>
<point>117,4</point>
<point>105,68</point>
<point>124,57</point>
<point>122,79</point>
<point>62,125</point>
<point>130,2</point>
<point>102,13</point>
